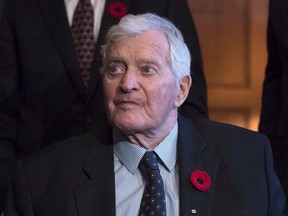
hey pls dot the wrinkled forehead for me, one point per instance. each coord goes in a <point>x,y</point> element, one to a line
<point>153,41</point>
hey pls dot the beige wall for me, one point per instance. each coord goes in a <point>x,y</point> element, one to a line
<point>232,36</point>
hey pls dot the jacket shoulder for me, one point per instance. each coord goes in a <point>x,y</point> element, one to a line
<point>226,136</point>
<point>62,150</point>
<point>210,127</point>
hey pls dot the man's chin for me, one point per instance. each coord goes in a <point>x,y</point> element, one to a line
<point>128,126</point>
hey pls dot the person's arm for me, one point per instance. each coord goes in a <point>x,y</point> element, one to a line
<point>276,199</point>
<point>8,102</point>
<point>272,98</point>
<point>196,103</point>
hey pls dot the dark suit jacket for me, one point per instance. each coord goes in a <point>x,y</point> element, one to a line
<point>274,115</point>
<point>41,94</point>
<point>76,176</point>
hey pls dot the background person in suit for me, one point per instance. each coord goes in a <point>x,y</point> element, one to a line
<point>274,114</point>
<point>146,78</point>
<point>42,97</point>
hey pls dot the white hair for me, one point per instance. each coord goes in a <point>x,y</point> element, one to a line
<point>132,25</point>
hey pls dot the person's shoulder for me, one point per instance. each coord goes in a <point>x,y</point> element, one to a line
<point>231,142</point>
<point>226,133</point>
<point>206,125</point>
<point>60,164</point>
<point>73,148</point>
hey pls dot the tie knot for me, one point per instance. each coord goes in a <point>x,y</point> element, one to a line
<point>149,161</point>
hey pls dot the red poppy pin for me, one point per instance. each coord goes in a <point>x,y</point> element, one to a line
<point>117,10</point>
<point>200,180</point>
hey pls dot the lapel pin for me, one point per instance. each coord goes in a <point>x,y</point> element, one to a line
<point>200,180</point>
<point>193,211</point>
<point>117,10</point>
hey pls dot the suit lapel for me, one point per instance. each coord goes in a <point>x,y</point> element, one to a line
<point>54,14</point>
<point>107,22</point>
<point>192,156</point>
<point>97,195</point>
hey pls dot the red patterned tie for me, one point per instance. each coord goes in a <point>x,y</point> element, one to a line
<point>82,32</point>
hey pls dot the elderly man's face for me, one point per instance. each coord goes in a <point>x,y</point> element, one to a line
<point>139,87</point>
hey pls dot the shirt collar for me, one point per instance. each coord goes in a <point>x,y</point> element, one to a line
<point>130,154</point>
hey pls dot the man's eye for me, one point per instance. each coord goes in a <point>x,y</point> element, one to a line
<point>114,69</point>
<point>148,70</point>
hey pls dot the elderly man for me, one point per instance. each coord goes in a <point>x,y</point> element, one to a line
<point>152,161</point>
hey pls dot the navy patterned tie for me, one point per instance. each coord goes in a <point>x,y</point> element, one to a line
<point>153,200</point>
<point>82,33</point>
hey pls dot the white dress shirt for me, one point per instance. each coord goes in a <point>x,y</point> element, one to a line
<point>129,184</point>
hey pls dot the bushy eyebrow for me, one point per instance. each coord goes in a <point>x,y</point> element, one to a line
<point>146,61</point>
<point>118,60</point>
<point>139,61</point>
<point>115,59</point>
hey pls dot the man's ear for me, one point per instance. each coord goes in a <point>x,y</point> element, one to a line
<point>184,88</point>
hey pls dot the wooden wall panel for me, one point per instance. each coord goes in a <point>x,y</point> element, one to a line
<point>233,42</point>
<point>224,33</point>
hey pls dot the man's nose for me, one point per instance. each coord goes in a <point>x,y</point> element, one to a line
<point>129,81</point>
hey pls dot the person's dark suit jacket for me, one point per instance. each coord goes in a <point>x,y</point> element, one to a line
<point>274,113</point>
<point>274,116</point>
<point>76,176</point>
<point>42,99</point>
